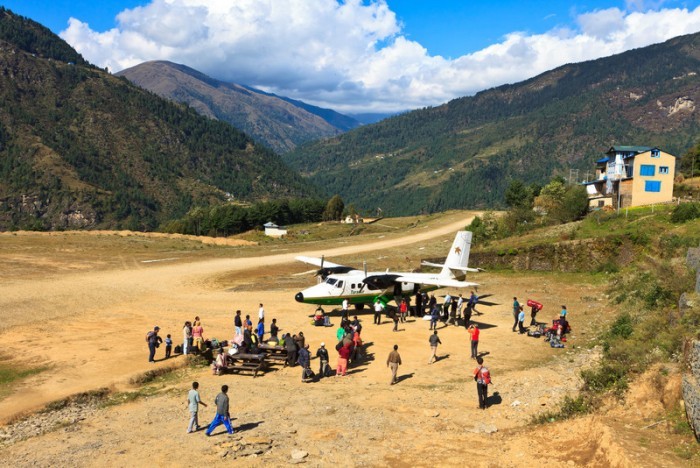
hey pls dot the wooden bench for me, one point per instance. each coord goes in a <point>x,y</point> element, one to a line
<point>276,354</point>
<point>246,362</point>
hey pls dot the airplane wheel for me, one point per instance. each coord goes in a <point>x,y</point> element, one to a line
<point>359,306</point>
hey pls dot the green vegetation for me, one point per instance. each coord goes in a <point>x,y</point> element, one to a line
<point>649,328</point>
<point>465,153</point>
<point>11,373</point>
<point>532,207</point>
<point>685,212</point>
<point>80,148</point>
<point>229,219</point>
<point>35,38</point>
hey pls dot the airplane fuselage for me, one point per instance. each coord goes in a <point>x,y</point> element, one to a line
<point>350,286</point>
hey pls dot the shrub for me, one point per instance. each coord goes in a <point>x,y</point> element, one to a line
<point>685,212</point>
<point>622,327</point>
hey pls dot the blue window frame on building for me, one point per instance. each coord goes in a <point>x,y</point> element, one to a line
<point>655,153</point>
<point>647,170</point>
<point>663,169</point>
<point>652,186</point>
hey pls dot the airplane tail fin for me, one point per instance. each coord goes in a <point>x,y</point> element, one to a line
<point>458,257</point>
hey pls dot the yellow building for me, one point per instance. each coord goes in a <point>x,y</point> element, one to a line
<point>632,176</point>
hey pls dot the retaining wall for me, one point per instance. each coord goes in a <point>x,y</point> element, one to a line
<point>691,388</point>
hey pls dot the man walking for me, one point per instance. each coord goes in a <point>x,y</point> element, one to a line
<point>516,311</point>
<point>482,376</point>
<point>194,402</point>
<point>434,342</point>
<point>446,307</point>
<point>393,362</point>
<point>261,312</point>
<point>434,317</point>
<point>473,299</point>
<point>521,321</point>
<point>222,414</point>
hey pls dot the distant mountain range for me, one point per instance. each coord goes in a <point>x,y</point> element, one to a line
<point>80,148</point>
<point>279,122</point>
<point>463,154</point>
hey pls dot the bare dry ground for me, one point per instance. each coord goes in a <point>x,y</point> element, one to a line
<point>80,304</point>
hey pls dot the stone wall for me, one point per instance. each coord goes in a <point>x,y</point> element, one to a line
<point>691,388</point>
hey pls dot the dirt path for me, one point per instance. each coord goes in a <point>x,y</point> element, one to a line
<point>88,326</point>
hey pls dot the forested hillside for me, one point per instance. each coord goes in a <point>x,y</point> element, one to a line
<point>464,154</point>
<point>82,148</point>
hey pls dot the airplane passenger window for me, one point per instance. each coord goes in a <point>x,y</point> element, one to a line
<point>340,284</point>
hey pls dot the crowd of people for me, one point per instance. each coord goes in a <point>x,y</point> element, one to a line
<point>349,346</point>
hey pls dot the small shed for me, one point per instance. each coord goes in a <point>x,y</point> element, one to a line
<point>273,230</point>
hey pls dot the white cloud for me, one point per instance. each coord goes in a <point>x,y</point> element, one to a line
<point>352,55</point>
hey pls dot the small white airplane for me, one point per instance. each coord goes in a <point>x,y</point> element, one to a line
<point>359,287</point>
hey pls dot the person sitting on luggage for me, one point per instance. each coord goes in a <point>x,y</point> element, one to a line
<point>319,318</point>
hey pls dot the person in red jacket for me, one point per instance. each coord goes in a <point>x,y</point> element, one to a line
<point>474,339</point>
<point>343,356</point>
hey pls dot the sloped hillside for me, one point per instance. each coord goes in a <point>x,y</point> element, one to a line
<point>278,122</point>
<point>463,154</point>
<point>81,148</point>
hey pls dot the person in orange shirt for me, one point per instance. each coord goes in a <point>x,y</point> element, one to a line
<point>474,339</point>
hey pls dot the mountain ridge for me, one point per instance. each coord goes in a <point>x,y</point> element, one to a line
<point>279,122</point>
<point>463,154</point>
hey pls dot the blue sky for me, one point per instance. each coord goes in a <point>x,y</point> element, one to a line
<point>360,55</point>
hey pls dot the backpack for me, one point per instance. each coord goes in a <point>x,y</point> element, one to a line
<point>485,375</point>
<point>148,336</point>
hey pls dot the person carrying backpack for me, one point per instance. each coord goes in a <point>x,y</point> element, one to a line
<point>482,377</point>
<point>153,341</point>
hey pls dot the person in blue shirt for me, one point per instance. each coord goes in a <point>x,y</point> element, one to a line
<point>521,320</point>
<point>168,346</point>
<point>260,331</point>
<point>563,312</point>
<point>516,312</point>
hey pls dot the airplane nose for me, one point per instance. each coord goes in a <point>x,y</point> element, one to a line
<point>299,297</point>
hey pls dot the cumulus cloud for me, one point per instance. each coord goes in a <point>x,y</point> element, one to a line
<point>352,55</point>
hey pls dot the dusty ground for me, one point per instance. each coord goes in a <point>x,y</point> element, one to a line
<point>88,325</point>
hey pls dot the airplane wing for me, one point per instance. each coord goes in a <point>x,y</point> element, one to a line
<point>317,262</point>
<point>439,282</point>
<point>440,265</point>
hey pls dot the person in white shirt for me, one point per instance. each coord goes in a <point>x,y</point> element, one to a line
<point>378,309</point>
<point>460,303</point>
<point>261,312</point>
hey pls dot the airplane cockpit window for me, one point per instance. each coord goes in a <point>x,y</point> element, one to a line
<point>340,284</point>
<point>331,281</point>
